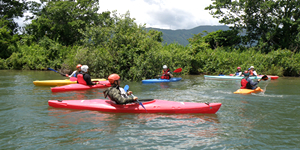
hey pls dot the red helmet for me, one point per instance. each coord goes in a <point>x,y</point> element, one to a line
<point>246,72</point>
<point>78,66</point>
<point>113,77</point>
<point>238,67</point>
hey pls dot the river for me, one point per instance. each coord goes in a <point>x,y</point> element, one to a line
<point>269,120</point>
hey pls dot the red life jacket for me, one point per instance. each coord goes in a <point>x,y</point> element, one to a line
<point>80,79</point>
<point>244,83</point>
<point>165,74</point>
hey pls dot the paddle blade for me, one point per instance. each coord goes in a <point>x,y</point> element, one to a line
<point>265,77</point>
<point>178,70</point>
<point>52,69</point>
<point>126,88</point>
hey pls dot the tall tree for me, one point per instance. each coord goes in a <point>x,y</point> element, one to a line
<point>61,20</point>
<point>273,23</point>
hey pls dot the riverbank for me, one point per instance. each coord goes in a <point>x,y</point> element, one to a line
<point>133,66</point>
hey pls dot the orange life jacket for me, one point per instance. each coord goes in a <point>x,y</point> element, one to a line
<point>251,72</point>
<point>80,79</point>
<point>165,74</point>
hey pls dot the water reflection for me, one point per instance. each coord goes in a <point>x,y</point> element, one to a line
<point>149,124</point>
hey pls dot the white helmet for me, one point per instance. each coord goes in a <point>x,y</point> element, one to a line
<point>84,68</point>
<point>252,67</point>
<point>165,67</point>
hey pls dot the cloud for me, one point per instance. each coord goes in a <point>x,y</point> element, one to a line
<point>172,17</point>
<point>166,14</point>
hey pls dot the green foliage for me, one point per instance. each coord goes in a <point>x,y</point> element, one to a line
<point>61,20</point>
<point>228,38</point>
<point>10,9</point>
<point>118,45</point>
<point>7,39</point>
<point>274,24</point>
<point>46,53</point>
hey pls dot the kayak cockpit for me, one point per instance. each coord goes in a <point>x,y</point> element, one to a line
<point>144,101</point>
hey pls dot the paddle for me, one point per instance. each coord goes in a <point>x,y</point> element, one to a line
<point>126,87</point>
<point>178,70</point>
<point>58,72</point>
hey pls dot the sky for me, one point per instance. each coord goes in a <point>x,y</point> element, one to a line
<point>164,14</point>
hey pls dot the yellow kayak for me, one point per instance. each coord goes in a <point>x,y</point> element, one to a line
<point>248,91</point>
<point>58,82</point>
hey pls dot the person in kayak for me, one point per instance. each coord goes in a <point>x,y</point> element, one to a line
<point>247,83</point>
<point>238,72</point>
<point>252,71</point>
<point>116,93</point>
<point>84,78</point>
<point>76,72</point>
<point>166,73</point>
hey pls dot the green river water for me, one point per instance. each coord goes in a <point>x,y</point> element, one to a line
<point>269,120</point>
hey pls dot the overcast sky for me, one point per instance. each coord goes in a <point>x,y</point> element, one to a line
<point>165,14</point>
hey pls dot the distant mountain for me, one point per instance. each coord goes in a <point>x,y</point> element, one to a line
<point>181,36</point>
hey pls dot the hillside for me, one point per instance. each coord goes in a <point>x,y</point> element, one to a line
<point>182,35</point>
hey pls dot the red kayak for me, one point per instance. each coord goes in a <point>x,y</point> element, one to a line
<point>270,76</point>
<point>152,106</point>
<point>76,87</point>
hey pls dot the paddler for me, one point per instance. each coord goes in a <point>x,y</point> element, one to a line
<point>76,72</point>
<point>116,93</point>
<point>84,78</point>
<point>247,83</point>
<point>166,73</point>
<point>252,71</point>
<point>238,72</point>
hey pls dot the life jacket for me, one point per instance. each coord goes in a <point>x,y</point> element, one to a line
<point>80,79</point>
<point>77,73</point>
<point>237,73</point>
<point>165,74</point>
<point>251,72</point>
<point>244,83</point>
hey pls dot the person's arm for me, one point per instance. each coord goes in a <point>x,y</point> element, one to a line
<point>72,74</point>
<point>88,80</point>
<point>116,95</point>
<point>170,74</point>
<point>255,73</point>
<point>252,83</point>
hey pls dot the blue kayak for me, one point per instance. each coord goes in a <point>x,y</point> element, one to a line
<point>161,80</point>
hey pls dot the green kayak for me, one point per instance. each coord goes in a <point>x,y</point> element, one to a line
<point>228,77</point>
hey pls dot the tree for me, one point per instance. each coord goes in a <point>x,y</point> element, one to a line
<point>221,38</point>
<point>61,20</point>
<point>6,39</point>
<point>10,9</point>
<point>274,24</point>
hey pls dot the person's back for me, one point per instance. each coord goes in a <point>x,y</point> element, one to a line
<point>247,83</point>
<point>84,77</point>
<point>116,93</point>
